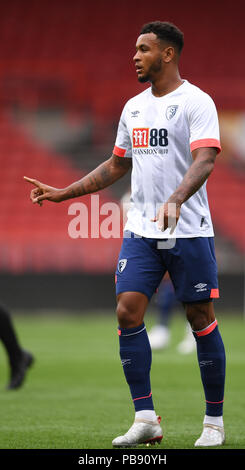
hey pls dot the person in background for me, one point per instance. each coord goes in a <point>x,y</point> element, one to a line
<point>19,359</point>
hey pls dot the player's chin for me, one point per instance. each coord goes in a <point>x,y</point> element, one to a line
<point>143,78</point>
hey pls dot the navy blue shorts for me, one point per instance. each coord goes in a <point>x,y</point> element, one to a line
<point>191,264</point>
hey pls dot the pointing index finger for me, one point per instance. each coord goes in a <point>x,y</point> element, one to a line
<point>31,180</point>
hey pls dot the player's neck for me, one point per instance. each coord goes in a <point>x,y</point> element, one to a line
<point>166,84</point>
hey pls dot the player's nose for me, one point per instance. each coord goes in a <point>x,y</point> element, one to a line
<point>136,56</point>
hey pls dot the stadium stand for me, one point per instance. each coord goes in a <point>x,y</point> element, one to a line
<point>36,239</point>
<point>226,193</point>
<point>59,54</point>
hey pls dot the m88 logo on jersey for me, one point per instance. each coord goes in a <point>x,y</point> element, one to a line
<point>141,137</point>
<point>144,137</point>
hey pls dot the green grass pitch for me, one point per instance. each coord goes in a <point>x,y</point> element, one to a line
<point>76,397</point>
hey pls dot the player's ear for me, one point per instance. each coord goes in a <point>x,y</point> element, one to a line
<point>168,54</point>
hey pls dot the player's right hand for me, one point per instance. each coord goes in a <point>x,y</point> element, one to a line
<point>43,192</point>
<point>167,216</point>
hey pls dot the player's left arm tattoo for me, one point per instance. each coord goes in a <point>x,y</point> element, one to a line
<point>197,174</point>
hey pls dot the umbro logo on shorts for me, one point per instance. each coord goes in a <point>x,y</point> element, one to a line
<point>122,265</point>
<point>200,287</point>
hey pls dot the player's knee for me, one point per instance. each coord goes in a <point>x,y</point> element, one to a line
<point>127,316</point>
<point>200,315</point>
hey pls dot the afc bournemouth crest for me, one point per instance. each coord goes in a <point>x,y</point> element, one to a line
<point>171,111</point>
<point>122,265</point>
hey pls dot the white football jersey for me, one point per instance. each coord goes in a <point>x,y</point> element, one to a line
<point>159,134</point>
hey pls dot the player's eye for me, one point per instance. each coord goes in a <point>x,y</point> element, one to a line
<point>142,49</point>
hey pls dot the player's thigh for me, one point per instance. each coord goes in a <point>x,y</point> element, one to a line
<point>140,267</point>
<point>193,269</point>
<point>131,307</point>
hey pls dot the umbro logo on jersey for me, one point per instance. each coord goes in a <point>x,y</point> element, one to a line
<point>171,111</point>
<point>134,113</point>
<point>200,287</point>
<point>122,265</point>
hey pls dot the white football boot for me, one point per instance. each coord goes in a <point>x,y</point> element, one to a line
<point>141,432</point>
<point>211,436</point>
<point>188,344</point>
<point>159,337</point>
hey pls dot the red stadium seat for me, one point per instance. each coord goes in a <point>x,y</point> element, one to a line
<point>37,238</point>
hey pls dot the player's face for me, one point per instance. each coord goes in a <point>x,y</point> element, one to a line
<point>148,58</point>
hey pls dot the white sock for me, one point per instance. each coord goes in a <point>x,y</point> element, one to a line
<point>150,415</point>
<point>215,420</point>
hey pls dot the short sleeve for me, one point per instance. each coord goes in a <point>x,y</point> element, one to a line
<point>123,145</point>
<point>203,122</point>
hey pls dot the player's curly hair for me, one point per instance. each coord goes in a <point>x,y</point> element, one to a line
<point>165,31</point>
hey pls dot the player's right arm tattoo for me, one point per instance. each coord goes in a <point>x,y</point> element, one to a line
<point>103,176</point>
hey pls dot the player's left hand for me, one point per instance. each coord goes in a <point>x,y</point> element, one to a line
<point>167,216</point>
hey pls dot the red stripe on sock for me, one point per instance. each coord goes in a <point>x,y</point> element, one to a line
<point>215,402</point>
<point>207,330</point>
<point>141,398</point>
